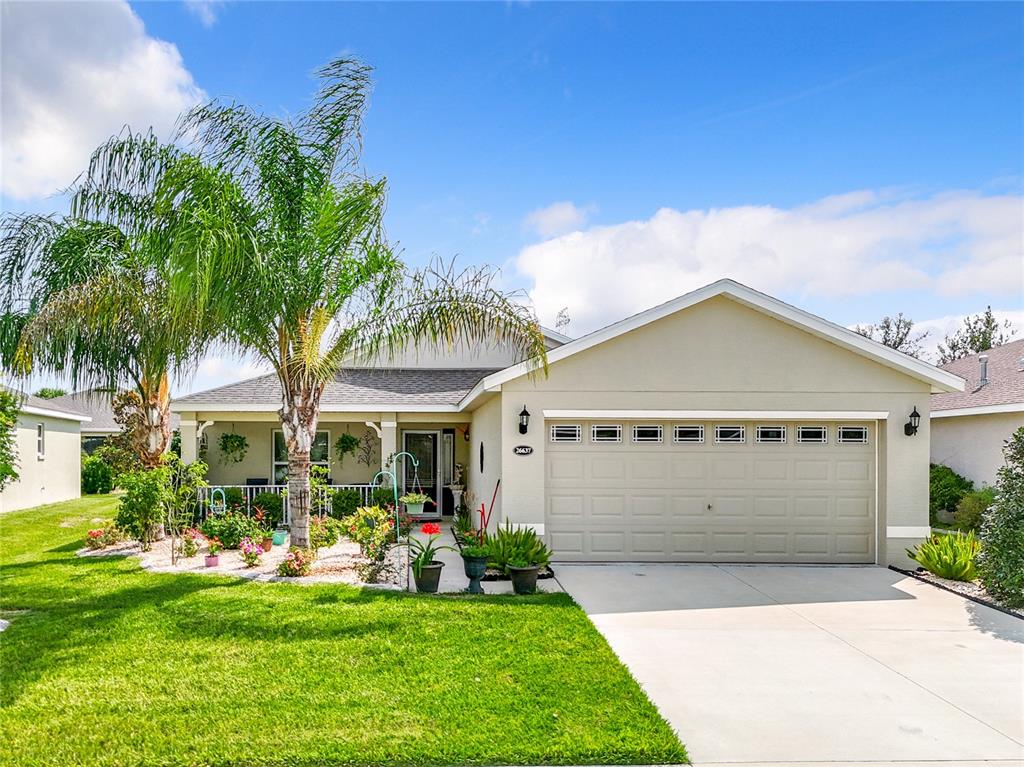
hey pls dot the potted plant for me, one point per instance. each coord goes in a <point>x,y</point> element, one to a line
<point>213,549</point>
<point>280,536</point>
<point>456,485</point>
<point>474,560</point>
<point>524,575</point>
<point>263,534</point>
<point>414,502</point>
<point>250,552</point>
<point>425,570</point>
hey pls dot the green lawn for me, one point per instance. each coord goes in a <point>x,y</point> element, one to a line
<point>106,664</point>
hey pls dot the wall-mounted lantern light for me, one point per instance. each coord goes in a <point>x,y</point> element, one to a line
<point>524,420</point>
<point>910,427</point>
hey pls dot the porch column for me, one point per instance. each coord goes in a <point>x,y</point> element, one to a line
<point>388,437</point>
<point>189,438</point>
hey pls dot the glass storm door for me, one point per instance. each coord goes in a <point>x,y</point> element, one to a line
<point>423,445</point>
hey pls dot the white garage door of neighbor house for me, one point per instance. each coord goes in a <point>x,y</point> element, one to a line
<point>710,491</point>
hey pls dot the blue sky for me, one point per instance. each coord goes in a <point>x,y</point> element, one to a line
<point>760,131</point>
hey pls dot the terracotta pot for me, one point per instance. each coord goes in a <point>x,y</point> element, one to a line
<point>212,561</point>
<point>430,575</point>
<point>524,579</point>
<point>268,543</point>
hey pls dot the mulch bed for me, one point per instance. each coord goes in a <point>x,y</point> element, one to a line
<point>973,591</point>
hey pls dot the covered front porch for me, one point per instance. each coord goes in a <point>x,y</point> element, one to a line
<point>246,453</point>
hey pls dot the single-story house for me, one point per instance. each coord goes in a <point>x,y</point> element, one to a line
<point>96,403</point>
<point>724,425</point>
<point>49,455</point>
<point>969,427</point>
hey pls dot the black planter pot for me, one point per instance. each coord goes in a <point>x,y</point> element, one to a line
<point>476,567</point>
<point>428,578</point>
<point>524,579</point>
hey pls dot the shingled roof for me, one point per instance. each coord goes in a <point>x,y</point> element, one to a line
<point>34,405</point>
<point>352,389</point>
<point>96,404</point>
<point>1005,385</point>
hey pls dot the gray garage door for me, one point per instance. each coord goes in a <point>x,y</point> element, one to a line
<point>725,491</point>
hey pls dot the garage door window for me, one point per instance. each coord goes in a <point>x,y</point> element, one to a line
<point>606,433</point>
<point>566,433</point>
<point>853,435</point>
<point>731,434</point>
<point>811,435</point>
<point>771,434</point>
<point>688,434</point>
<point>647,434</point>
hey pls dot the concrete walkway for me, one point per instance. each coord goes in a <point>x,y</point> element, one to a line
<point>786,665</point>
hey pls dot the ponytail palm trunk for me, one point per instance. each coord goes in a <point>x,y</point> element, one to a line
<point>303,277</point>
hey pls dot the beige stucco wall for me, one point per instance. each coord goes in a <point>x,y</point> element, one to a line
<point>486,429</point>
<point>972,445</point>
<point>722,355</point>
<point>57,477</point>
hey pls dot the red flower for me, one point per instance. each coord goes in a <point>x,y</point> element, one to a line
<point>431,528</point>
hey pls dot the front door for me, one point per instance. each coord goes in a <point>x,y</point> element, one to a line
<point>424,477</point>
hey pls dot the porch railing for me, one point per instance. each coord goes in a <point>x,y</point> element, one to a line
<point>321,500</point>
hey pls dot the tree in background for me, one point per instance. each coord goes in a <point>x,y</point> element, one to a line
<point>9,409</point>
<point>49,392</point>
<point>896,333</point>
<point>303,276</point>
<point>86,295</point>
<point>978,334</point>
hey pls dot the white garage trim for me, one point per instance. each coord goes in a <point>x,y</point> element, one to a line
<point>893,531</point>
<point>746,415</point>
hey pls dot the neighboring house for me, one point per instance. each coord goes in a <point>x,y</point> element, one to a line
<point>724,425</point>
<point>96,404</point>
<point>970,427</point>
<point>49,454</point>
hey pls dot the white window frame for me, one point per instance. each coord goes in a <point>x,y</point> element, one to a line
<point>606,439</point>
<point>763,441</point>
<point>649,440</point>
<point>275,463</point>
<point>861,441</point>
<point>741,441</point>
<point>41,441</point>
<point>556,437</point>
<point>802,440</point>
<point>700,434</point>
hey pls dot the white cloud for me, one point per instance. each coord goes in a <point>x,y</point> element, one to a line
<point>204,10</point>
<point>74,74</point>
<point>557,218</point>
<point>955,243</point>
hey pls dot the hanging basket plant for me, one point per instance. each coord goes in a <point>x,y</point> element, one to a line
<point>346,444</point>
<point>233,447</point>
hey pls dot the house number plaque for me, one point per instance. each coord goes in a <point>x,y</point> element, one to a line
<point>522,450</point>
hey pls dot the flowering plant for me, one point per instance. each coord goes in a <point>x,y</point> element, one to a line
<point>213,546</point>
<point>101,537</point>
<point>189,545</point>
<point>423,552</point>
<point>250,551</point>
<point>263,526</point>
<point>296,563</point>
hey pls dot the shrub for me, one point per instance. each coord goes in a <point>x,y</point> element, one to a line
<point>344,502</point>
<point>296,563</point>
<point>9,408</point>
<point>1001,563</point>
<point>945,489</point>
<point>372,528</point>
<point>323,532</point>
<point>383,497</point>
<point>948,556</point>
<point>142,506</point>
<point>272,505</point>
<point>521,544</point>
<point>97,476</point>
<point>231,528</point>
<point>251,552</point>
<point>188,545</point>
<point>234,498</point>
<point>101,537</point>
<point>971,508</point>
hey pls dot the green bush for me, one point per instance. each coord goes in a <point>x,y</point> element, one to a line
<point>520,544</point>
<point>371,528</point>
<point>945,489</point>
<point>382,496</point>
<point>234,498</point>
<point>141,510</point>
<point>323,532</point>
<point>272,505</point>
<point>344,502</point>
<point>1001,563</point>
<point>948,556</point>
<point>231,528</point>
<point>971,508</point>
<point>97,476</point>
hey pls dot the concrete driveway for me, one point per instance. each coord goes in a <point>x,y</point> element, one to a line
<point>778,665</point>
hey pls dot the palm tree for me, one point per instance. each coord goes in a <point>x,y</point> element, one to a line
<point>304,278</point>
<point>87,295</point>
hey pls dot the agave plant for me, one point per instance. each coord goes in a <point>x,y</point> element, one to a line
<point>516,544</point>
<point>948,556</point>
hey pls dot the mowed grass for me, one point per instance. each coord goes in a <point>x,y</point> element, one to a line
<point>107,664</point>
